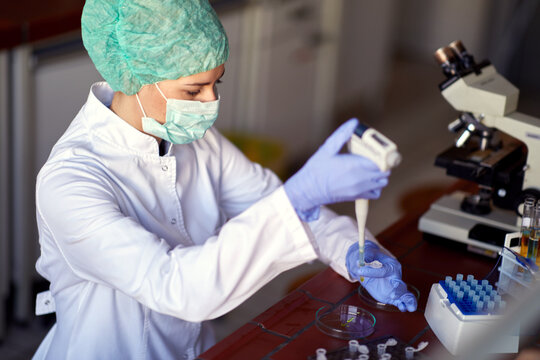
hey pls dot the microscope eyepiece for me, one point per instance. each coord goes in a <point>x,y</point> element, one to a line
<point>444,55</point>
<point>455,60</point>
<point>466,60</point>
<point>448,61</point>
<point>458,47</point>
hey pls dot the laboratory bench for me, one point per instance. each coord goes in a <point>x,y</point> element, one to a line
<point>287,330</point>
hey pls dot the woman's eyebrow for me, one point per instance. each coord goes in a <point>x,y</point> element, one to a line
<point>206,83</point>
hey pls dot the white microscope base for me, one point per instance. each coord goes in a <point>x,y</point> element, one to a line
<point>446,219</point>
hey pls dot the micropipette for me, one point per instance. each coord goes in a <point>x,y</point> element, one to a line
<point>373,145</point>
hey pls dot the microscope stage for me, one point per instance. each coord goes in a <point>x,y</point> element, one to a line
<point>481,233</point>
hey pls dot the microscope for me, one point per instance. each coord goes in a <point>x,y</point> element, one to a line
<point>497,147</point>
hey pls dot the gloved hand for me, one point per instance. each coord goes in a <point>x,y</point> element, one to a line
<point>384,284</point>
<point>329,177</point>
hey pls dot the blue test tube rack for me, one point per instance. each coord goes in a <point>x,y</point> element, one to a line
<point>473,297</point>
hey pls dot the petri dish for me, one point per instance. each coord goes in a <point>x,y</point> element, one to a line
<point>366,298</point>
<point>345,321</point>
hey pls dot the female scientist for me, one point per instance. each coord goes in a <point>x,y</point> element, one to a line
<point>151,222</point>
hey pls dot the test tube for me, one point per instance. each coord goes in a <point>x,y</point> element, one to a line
<point>381,349</point>
<point>353,346</point>
<point>485,282</point>
<point>470,278</point>
<point>526,222</point>
<point>321,354</point>
<point>363,357</point>
<point>534,236</point>
<point>460,295</point>
<point>409,352</point>
<point>386,356</point>
<point>459,277</point>
<point>474,282</point>
<point>479,305</point>
<point>447,280</point>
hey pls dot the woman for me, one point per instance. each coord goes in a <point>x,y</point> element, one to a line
<point>151,222</point>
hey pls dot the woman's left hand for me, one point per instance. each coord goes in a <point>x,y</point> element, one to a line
<point>382,282</point>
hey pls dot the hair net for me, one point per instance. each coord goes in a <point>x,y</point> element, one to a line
<point>137,42</point>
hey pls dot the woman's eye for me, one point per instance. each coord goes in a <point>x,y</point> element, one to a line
<point>219,81</point>
<point>193,93</point>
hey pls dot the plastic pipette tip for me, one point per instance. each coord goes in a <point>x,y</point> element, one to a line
<point>361,260</point>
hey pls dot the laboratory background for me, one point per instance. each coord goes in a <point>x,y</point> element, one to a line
<point>297,69</point>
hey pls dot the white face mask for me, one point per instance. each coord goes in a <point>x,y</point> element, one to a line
<point>185,120</point>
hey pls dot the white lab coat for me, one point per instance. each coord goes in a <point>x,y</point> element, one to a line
<point>140,249</point>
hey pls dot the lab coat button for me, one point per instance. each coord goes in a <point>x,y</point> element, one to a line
<point>164,168</point>
<point>173,221</point>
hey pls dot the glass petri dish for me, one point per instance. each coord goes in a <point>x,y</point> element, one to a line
<point>345,322</point>
<point>366,298</point>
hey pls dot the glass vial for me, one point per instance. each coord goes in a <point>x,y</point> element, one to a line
<point>526,222</point>
<point>535,234</point>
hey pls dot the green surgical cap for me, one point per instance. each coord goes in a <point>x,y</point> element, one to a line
<point>139,42</point>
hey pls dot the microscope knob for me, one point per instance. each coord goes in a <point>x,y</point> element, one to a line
<point>465,135</point>
<point>455,125</point>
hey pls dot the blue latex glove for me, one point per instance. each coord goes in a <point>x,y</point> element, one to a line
<point>329,177</point>
<point>383,284</point>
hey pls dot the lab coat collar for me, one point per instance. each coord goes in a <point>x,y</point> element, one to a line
<point>109,127</point>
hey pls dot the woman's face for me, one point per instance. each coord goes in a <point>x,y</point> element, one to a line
<point>199,87</point>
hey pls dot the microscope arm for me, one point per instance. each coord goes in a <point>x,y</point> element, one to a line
<point>526,129</point>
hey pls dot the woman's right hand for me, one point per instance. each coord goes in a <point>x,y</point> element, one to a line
<point>329,177</point>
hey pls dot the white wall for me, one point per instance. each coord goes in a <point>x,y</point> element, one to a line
<point>61,86</point>
<point>365,52</point>
<point>232,21</point>
<point>426,25</point>
<point>4,188</point>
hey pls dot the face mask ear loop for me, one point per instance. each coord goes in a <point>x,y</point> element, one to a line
<point>161,92</point>
<point>140,105</point>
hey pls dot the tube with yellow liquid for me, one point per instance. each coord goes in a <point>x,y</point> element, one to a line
<point>534,236</point>
<point>526,222</point>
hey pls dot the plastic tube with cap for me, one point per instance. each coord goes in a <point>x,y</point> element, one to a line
<point>321,354</point>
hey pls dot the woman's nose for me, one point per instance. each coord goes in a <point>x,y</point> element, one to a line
<point>211,95</point>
